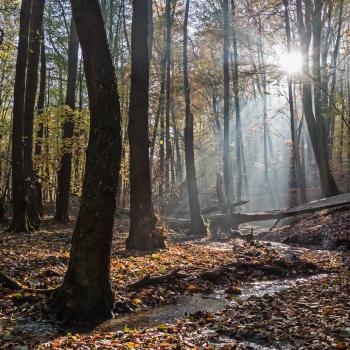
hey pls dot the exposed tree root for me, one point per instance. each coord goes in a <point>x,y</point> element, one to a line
<point>12,284</point>
<point>154,281</point>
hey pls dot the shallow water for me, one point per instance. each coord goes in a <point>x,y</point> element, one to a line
<point>182,308</point>
<point>189,304</point>
<point>185,305</point>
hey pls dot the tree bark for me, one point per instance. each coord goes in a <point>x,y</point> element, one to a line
<point>263,93</point>
<point>143,234</point>
<point>226,148</point>
<point>19,221</point>
<point>178,163</point>
<point>168,148</point>
<point>315,127</point>
<point>86,294</point>
<point>38,150</point>
<point>197,223</point>
<point>296,171</point>
<point>160,110</point>
<point>334,75</point>
<point>235,78</point>
<point>35,38</point>
<point>65,172</point>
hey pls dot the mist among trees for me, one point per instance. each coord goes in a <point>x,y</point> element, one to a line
<point>181,167</point>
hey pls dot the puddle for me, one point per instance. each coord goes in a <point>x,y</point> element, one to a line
<point>184,306</point>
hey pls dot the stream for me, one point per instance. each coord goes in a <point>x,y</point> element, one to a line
<point>189,304</point>
<point>182,308</point>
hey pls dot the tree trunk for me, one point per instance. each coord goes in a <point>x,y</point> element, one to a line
<point>263,94</point>
<point>38,150</point>
<point>235,78</point>
<point>226,148</point>
<point>168,148</point>
<point>65,172</point>
<point>296,171</point>
<point>19,221</point>
<point>160,110</point>
<point>178,164</point>
<point>86,294</point>
<point>143,234</point>
<point>35,37</point>
<point>197,223</point>
<point>329,186</point>
<point>334,78</point>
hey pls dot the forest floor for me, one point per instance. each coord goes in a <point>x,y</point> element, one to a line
<point>227,294</point>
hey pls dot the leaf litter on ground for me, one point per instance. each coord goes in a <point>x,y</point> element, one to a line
<point>312,315</point>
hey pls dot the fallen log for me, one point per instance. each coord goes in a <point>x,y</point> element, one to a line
<point>12,284</point>
<point>233,220</point>
<point>148,280</point>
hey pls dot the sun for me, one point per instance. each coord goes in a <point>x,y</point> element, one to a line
<point>290,63</point>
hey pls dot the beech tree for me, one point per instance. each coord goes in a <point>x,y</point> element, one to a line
<point>197,223</point>
<point>143,234</point>
<point>86,294</point>
<point>235,79</point>
<point>19,219</point>
<point>65,172</point>
<point>314,121</point>
<point>296,169</point>
<point>226,67</point>
<point>40,132</point>
<point>35,38</point>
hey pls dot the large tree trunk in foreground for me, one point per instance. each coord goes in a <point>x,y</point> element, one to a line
<point>143,234</point>
<point>86,294</point>
<point>197,223</point>
<point>35,38</point>
<point>19,221</point>
<point>65,172</point>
